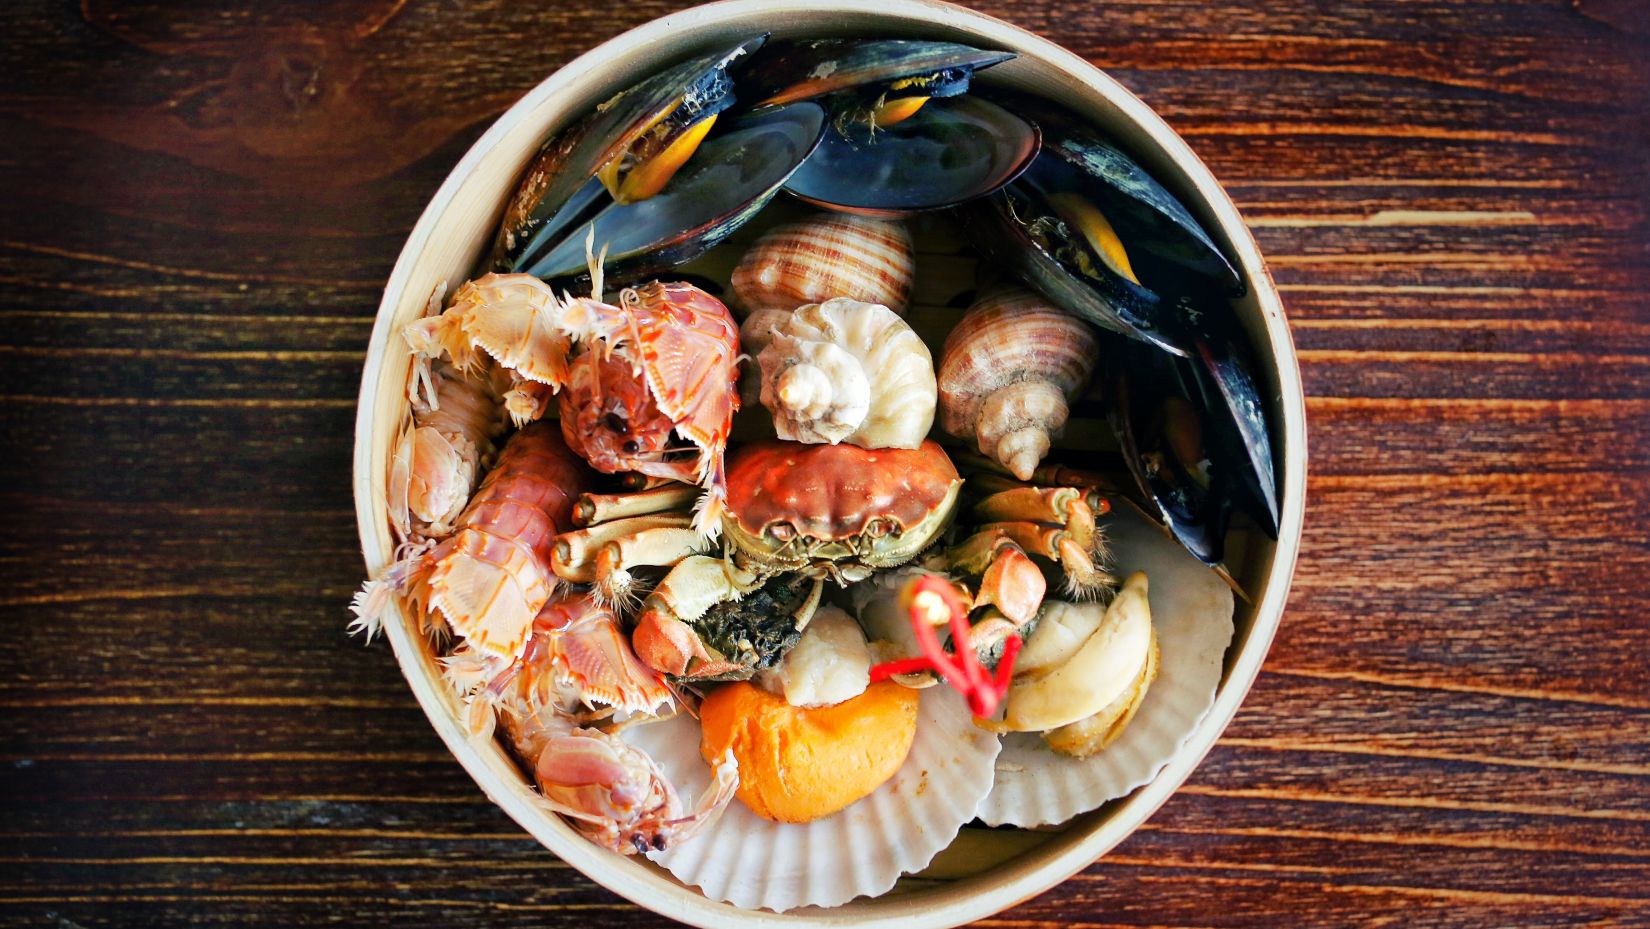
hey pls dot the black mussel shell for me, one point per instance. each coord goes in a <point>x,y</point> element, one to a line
<point>553,190</point>
<point>949,152</point>
<point>1194,434</point>
<point>1013,228</point>
<point>787,71</point>
<point>1241,441</point>
<point>727,181</point>
<point>1150,404</point>
<point>1164,241</point>
<point>1174,263</point>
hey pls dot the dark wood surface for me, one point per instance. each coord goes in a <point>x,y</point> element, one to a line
<point>202,202</point>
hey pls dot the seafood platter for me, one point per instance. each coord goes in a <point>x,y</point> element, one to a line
<point>834,474</point>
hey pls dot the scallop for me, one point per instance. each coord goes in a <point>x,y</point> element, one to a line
<point>830,664</point>
<point>1099,682</point>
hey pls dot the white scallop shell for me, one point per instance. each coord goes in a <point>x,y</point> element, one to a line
<point>750,862</point>
<point>1192,613</point>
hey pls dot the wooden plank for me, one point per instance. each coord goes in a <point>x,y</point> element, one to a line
<point>203,204</point>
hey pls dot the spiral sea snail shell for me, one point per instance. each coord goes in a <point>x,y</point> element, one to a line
<point>828,256</point>
<point>1008,371</point>
<point>754,335</point>
<point>848,371</point>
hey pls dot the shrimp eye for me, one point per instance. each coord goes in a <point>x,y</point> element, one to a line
<point>631,448</point>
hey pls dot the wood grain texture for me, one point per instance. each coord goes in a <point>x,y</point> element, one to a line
<point>203,201</point>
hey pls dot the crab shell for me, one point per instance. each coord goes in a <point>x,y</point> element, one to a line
<point>836,511</point>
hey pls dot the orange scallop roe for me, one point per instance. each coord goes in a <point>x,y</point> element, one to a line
<point>797,764</point>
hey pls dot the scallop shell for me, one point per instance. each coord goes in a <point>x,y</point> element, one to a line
<point>750,862</point>
<point>828,256</point>
<point>848,371</point>
<point>1192,615</point>
<point>1008,371</point>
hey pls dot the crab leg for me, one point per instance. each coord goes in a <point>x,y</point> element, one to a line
<point>574,558</point>
<point>663,639</point>
<point>1037,504</point>
<point>983,470</point>
<point>1071,508</point>
<point>636,480</point>
<point>1013,584</point>
<point>1057,544</point>
<point>663,547</point>
<point>602,508</point>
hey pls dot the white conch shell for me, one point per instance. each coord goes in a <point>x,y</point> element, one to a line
<point>1008,371</point>
<point>847,371</point>
<point>754,335</point>
<point>828,256</point>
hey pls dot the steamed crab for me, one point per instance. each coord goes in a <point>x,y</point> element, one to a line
<point>796,515</point>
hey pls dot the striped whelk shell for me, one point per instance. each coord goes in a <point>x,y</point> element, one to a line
<point>1007,373</point>
<point>826,257</point>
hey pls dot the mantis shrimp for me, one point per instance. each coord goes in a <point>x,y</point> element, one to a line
<point>491,577</point>
<point>445,445</point>
<point>577,668</point>
<point>646,384</point>
<point>613,792</point>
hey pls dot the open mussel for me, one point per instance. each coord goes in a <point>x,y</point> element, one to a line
<point>902,139</point>
<point>735,172</point>
<point>871,82</point>
<point>625,151</point>
<point>1097,234</point>
<point>1193,432</point>
<point>949,152</point>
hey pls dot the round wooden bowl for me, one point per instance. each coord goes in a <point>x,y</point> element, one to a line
<point>456,230</point>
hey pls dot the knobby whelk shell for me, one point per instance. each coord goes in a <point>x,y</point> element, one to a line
<point>848,371</point>
<point>1008,371</point>
<point>826,257</point>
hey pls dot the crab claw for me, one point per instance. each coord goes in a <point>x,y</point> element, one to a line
<point>663,639</point>
<point>1013,583</point>
<point>665,643</point>
<point>710,620</point>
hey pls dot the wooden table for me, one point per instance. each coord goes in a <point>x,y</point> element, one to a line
<point>1453,728</point>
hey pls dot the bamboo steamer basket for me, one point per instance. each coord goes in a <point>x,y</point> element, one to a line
<point>984,871</point>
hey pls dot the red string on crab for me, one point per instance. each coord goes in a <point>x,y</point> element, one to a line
<point>931,600</point>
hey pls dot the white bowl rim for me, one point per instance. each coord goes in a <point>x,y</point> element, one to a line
<point>1016,880</point>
